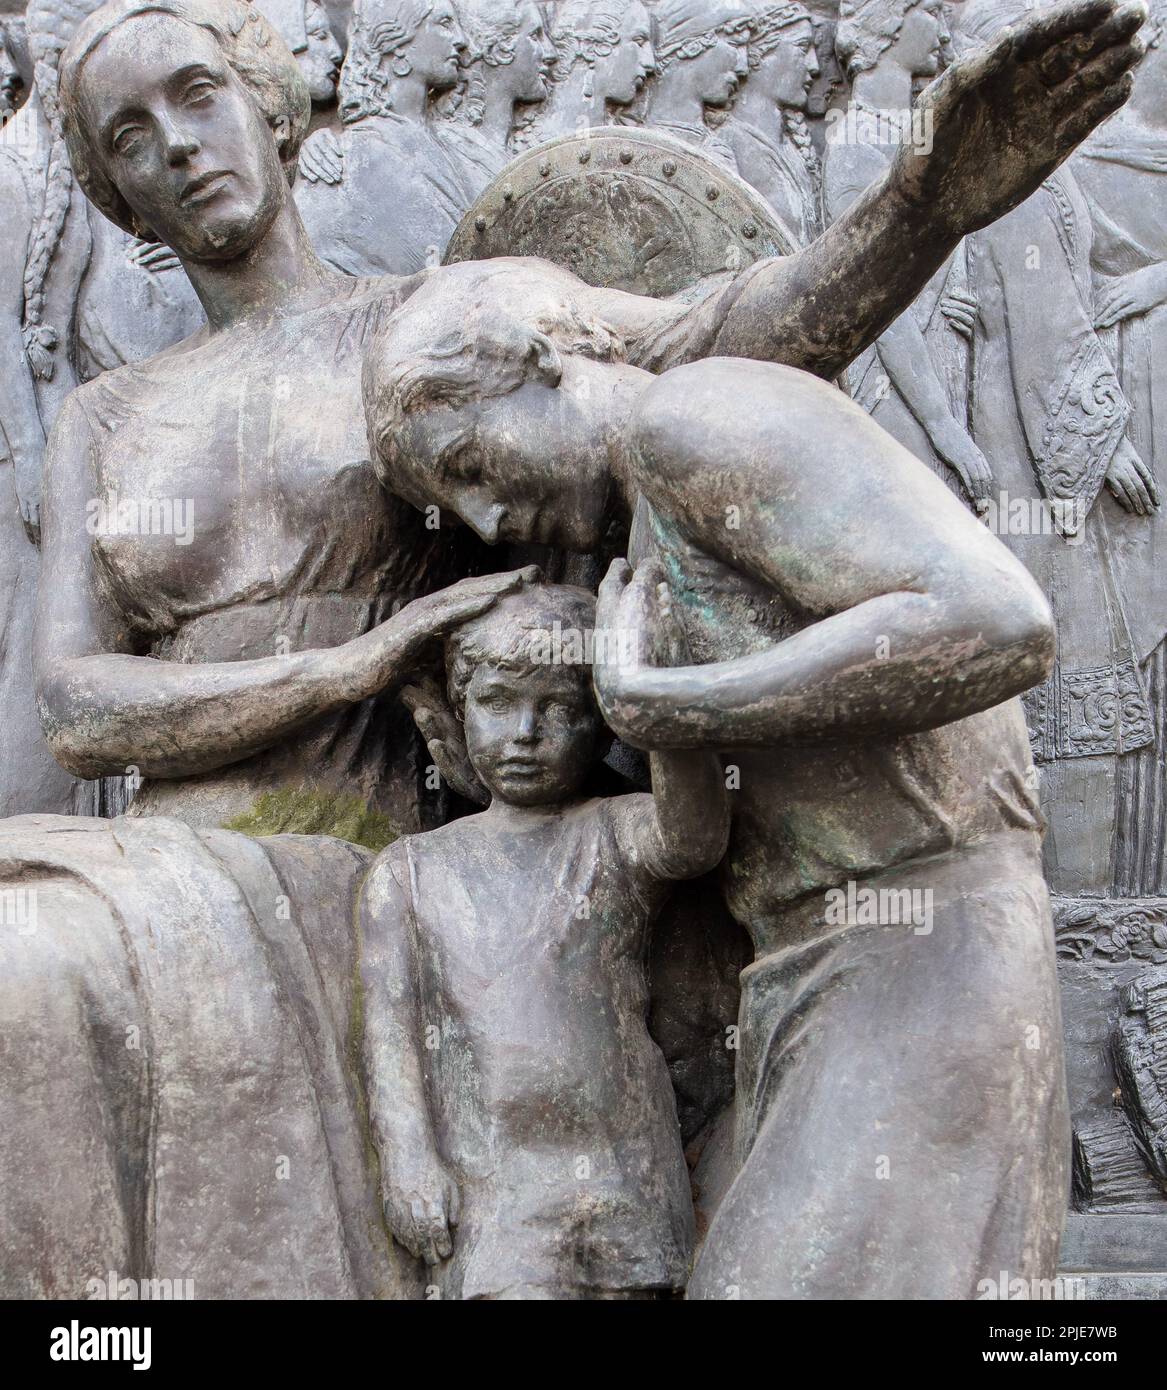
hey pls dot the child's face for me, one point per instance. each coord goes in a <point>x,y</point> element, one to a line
<point>532,735</point>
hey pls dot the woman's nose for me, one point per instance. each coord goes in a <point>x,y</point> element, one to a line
<point>179,144</point>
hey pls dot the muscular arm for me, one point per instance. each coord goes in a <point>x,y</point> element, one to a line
<point>105,709</point>
<point>915,615</point>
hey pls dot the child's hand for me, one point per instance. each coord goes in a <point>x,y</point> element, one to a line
<point>422,1206</point>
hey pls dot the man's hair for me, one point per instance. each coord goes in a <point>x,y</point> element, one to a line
<point>473,333</point>
<point>512,634</point>
<point>252,49</point>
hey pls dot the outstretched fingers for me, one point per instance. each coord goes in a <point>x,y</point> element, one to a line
<point>1114,42</point>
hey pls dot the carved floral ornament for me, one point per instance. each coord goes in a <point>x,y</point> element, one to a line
<point>1111,931</point>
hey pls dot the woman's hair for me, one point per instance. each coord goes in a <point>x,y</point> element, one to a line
<point>478,332</point>
<point>867,29</point>
<point>768,25</point>
<point>50,25</point>
<point>491,33</point>
<point>250,46</point>
<point>378,29</point>
<point>687,28</point>
<point>511,634</point>
<point>977,23</point>
<point>585,31</point>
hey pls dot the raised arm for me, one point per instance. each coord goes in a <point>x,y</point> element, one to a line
<point>104,708</point>
<point>1002,121</point>
<point>421,1199</point>
<point>912,614</point>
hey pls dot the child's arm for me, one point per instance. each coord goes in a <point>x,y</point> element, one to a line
<point>420,1196</point>
<point>682,830</point>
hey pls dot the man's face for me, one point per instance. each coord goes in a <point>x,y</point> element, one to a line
<point>532,734</point>
<point>718,72</point>
<point>787,73</point>
<point>534,57</point>
<point>437,47</point>
<point>620,78</point>
<point>320,61</point>
<point>181,138</point>
<point>921,38</point>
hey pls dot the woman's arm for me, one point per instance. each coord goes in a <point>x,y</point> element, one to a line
<point>420,1196</point>
<point>915,615</point>
<point>105,709</point>
<point>682,829</point>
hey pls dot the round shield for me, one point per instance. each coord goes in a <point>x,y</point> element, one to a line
<point>623,208</point>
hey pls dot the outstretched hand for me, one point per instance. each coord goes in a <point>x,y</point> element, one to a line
<point>1006,117</point>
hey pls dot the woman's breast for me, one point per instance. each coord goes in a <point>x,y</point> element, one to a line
<point>246,488</point>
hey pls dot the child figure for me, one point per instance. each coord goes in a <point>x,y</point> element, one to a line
<point>524,1118</point>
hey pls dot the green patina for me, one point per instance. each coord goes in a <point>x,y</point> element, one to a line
<point>302,812</point>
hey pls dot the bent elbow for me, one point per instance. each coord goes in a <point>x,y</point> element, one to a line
<point>1021,628</point>
<point>64,726</point>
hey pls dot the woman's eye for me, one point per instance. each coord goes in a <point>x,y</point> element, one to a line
<point>199,92</point>
<point>126,141</point>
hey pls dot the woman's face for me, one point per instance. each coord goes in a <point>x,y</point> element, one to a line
<point>924,32</point>
<point>320,61</point>
<point>530,69</point>
<point>787,73</point>
<point>182,138</point>
<point>621,76</point>
<point>436,50</point>
<point>530,467</point>
<point>717,73</point>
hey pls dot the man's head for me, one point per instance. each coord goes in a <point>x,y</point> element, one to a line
<point>485,396</point>
<point>183,120</point>
<point>520,680</point>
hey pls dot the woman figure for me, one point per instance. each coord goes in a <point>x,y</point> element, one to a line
<point>767,128</point>
<point>304,26</point>
<point>860,646</point>
<point>386,194</point>
<point>914,380</point>
<point>508,69</point>
<point>604,60</point>
<point>702,61</point>
<point>1120,171</point>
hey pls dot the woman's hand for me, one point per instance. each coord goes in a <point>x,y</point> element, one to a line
<point>388,655</point>
<point>1130,295</point>
<point>636,626</point>
<point>960,310</point>
<point>1131,482</point>
<point>321,158</point>
<point>422,1205</point>
<point>444,736</point>
<point>955,446</point>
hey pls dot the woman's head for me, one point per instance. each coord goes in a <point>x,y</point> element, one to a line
<point>703,43</point>
<point>483,397</point>
<point>510,44</point>
<point>612,41</point>
<point>184,119</point>
<point>915,29</point>
<point>783,61</point>
<point>390,40</point>
<point>520,679</point>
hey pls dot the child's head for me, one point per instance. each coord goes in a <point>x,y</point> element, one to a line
<point>520,680</point>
